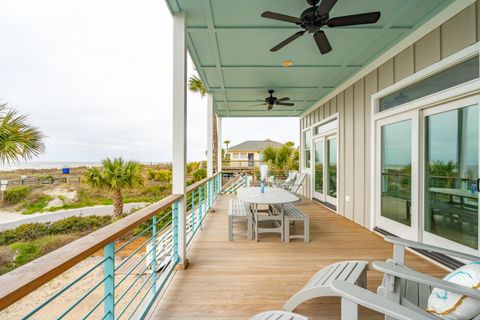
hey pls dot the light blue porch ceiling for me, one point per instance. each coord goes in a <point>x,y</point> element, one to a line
<point>230,43</point>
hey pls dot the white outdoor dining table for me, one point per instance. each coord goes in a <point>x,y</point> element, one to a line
<point>271,196</point>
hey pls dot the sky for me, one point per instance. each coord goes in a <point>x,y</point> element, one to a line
<point>95,77</point>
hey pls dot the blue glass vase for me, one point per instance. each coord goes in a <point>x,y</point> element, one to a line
<point>262,186</point>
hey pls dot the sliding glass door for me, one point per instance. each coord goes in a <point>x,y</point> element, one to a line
<point>451,175</point>
<point>427,174</point>
<point>319,192</point>
<point>331,170</point>
<point>395,159</point>
<point>325,169</point>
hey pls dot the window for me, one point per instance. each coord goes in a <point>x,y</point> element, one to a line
<point>307,140</point>
<point>243,156</point>
<point>236,156</point>
<point>458,74</point>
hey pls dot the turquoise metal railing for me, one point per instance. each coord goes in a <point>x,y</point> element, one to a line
<point>137,256</point>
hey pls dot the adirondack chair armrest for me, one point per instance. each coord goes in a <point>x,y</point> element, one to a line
<point>403,272</point>
<point>370,300</point>
<point>399,242</point>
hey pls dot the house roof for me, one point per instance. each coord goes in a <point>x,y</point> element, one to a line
<point>254,145</point>
<point>230,42</point>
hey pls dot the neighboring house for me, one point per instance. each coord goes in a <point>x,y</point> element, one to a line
<point>248,153</point>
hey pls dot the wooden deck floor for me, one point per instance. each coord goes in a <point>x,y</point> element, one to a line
<point>235,280</point>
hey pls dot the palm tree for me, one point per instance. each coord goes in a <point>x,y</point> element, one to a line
<point>226,142</point>
<point>195,84</point>
<point>18,139</point>
<point>282,158</point>
<point>115,175</point>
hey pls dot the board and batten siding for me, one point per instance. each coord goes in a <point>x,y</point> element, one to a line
<point>353,106</point>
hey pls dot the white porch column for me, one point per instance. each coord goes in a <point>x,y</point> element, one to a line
<point>219,135</point>
<point>210,134</point>
<point>180,127</point>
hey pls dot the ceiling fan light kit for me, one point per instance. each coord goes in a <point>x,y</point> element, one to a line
<point>313,19</point>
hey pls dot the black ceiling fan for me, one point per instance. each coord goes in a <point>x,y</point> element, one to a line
<point>316,17</point>
<point>270,101</point>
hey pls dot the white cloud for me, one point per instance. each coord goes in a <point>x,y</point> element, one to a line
<point>95,76</point>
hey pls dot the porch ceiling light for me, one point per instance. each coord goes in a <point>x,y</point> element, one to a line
<point>287,63</point>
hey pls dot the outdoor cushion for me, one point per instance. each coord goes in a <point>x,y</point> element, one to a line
<point>452,306</point>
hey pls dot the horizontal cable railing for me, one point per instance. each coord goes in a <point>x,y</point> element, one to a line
<point>119,269</point>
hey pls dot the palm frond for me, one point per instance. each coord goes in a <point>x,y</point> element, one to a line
<point>195,84</point>
<point>18,139</point>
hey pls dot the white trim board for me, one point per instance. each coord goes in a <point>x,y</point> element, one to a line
<point>443,16</point>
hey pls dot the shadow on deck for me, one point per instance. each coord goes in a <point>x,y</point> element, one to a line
<point>235,280</point>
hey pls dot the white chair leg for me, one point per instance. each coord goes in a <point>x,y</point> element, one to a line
<point>230,228</point>
<point>349,310</point>
<point>306,229</point>
<point>286,228</point>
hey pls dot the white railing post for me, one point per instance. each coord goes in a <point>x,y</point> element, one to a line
<point>210,116</point>
<point>179,155</point>
<point>219,143</point>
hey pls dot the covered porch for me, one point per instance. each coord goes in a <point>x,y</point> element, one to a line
<point>238,279</point>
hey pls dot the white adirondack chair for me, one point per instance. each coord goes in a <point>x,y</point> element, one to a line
<point>353,296</point>
<point>403,294</point>
<point>289,181</point>
<point>298,182</point>
<point>410,288</point>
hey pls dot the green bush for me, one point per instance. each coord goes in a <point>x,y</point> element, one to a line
<point>36,205</point>
<point>25,252</point>
<point>20,253</point>
<point>15,195</point>
<point>33,231</point>
<point>199,174</point>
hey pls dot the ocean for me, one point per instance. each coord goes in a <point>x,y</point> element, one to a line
<point>47,165</point>
<point>55,165</point>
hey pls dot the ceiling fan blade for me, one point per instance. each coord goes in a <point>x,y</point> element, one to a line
<point>354,19</point>
<point>322,42</point>
<point>283,99</point>
<point>285,104</point>
<point>257,105</point>
<point>287,41</point>
<point>325,7</point>
<point>280,17</point>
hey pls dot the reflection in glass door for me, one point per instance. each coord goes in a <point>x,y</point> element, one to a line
<point>396,194</point>
<point>325,175</point>
<point>332,170</point>
<point>451,172</point>
<point>396,179</point>
<point>319,159</point>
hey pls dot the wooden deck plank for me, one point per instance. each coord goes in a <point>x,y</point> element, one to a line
<point>235,280</point>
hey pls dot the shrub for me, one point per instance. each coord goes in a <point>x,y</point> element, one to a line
<point>15,195</point>
<point>156,191</point>
<point>199,174</point>
<point>25,252</point>
<point>162,175</point>
<point>20,253</point>
<point>33,231</point>
<point>36,205</point>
